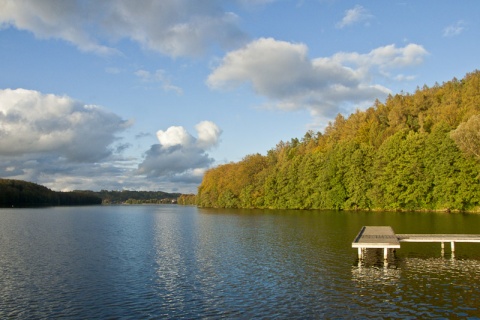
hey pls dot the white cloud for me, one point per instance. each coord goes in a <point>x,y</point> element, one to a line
<point>283,72</point>
<point>179,156</point>
<point>61,143</point>
<point>172,27</point>
<point>386,57</point>
<point>174,136</point>
<point>66,145</point>
<point>271,66</point>
<point>33,123</point>
<point>355,15</point>
<point>208,134</point>
<point>54,19</point>
<point>454,29</point>
<point>60,174</point>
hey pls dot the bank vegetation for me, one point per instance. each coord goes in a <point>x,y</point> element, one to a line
<point>417,151</point>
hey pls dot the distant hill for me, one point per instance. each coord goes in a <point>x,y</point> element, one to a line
<point>18,193</point>
<point>134,197</point>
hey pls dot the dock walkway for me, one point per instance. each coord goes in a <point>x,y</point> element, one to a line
<point>383,237</point>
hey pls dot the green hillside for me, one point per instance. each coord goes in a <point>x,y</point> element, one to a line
<point>415,151</point>
<point>18,193</point>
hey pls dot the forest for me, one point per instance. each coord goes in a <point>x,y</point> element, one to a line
<point>134,197</point>
<point>415,151</point>
<point>18,193</point>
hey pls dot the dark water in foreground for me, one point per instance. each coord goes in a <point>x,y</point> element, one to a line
<point>178,262</point>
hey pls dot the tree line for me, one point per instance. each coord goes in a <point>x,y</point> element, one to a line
<point>417,151</point>
<point>187,199</point>
<point>134,197</point>
<point>18,193</point>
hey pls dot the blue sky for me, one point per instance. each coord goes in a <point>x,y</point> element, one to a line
<point>147,95</point>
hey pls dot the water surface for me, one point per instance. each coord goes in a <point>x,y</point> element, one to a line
<point>179,262</point>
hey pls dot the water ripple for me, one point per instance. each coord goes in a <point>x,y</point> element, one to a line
<point>171,262</point>
<point>431,288</point>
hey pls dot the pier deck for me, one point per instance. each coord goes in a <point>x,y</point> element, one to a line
<point>375,237</point>
<point>384,237</point>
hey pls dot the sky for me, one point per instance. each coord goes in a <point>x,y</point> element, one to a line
<point>149,94</point>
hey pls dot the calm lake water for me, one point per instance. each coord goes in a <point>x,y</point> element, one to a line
<point>175,262</point>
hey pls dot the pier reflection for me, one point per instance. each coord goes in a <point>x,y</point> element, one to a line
<point>373,257</point>
<point>417,287</point>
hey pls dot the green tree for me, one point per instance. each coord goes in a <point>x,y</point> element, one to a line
<point>454,178</point>
<point>357,178</point>
<point>400,181</point>
<point>467,136</point>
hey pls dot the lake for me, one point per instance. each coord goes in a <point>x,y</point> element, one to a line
<point>176,262</point>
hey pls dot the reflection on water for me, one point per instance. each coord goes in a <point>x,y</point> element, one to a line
<point>177,262</point>
<point>418,287</point>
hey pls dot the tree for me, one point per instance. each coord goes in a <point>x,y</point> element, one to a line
<point>455,180</point>
<point>467,136</point>
<point>357,167</point>
<point>400,181</point>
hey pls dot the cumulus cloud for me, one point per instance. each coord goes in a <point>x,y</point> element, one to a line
<point>53,19</point>
<point>174,136</point>
<point>355,15</point>
<point>172,27</point>
<point>208,134</point>
<point>179,156</point>
<point>454,29</point>
<point>283,72</point>
<point>36,123</point>
<point>61,143</point>
<point>60,174</point>
<point>67,145</point>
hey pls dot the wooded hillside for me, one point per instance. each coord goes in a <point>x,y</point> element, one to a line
<point>17,193</point>
<point>415,151</point>
<point>134,197</point>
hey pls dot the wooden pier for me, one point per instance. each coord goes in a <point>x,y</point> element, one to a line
<point>383,237</point>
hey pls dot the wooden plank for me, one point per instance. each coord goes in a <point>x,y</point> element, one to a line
<point>438,237</point>
<point>376,237</point>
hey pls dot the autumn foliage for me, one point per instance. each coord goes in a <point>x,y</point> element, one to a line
<point>416,151</point>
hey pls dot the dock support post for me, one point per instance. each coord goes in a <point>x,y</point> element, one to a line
<point>360,253</point>
<point>385,253</point>
<point>452,245</point>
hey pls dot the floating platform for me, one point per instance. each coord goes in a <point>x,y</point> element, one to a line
<point>383,237</point>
